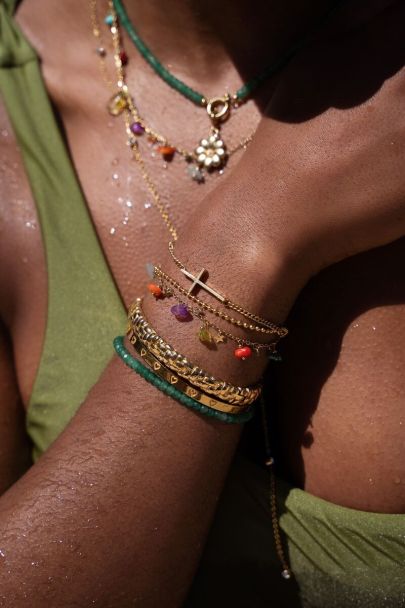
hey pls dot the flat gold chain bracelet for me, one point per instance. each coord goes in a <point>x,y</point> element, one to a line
<point>163,372</point>
<point>176,362</point>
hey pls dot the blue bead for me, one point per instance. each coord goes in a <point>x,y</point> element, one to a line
<point>109,20</point>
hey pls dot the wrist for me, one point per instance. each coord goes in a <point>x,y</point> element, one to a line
<point>257,279</point>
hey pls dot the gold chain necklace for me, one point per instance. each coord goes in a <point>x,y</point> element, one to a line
<point>211,152</point>
<point>129,110</point>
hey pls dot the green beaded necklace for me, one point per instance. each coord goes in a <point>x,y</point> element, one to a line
<point>218,108</point>
<point>211,152</point>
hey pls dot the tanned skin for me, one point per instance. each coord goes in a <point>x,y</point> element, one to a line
<point>309,220</point>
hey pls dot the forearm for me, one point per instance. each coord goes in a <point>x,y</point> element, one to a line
<point>122,498</point>
<point>130,487</point>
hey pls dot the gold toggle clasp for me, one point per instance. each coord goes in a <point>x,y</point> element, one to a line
<point>218,108</point>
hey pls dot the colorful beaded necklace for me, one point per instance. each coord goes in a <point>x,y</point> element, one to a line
<point>211,152</point>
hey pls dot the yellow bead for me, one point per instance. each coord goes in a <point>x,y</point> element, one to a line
<point>117,104</point>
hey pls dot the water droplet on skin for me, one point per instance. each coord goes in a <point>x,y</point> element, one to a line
<point>112,230</point>
<point>165,165</point>
<point>115,176</point>
<point>374,328</point>
<point>356,325</point>
<point>147,205</point>
<point>2,553</point>
<point>221,171</point>
<point>32,224</point>
<point>129,203</point>
<point>153,154</point>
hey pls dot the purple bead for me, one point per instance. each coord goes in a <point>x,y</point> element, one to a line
<point>137,128</point>
<point>181,312</point>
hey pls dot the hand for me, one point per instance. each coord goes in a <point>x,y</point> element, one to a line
<point>327,165</point>
<point>324,178</point>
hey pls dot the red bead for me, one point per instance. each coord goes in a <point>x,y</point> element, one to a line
<point>123,57</point>
<point>155,290</point>
<point>166,151</point>
<point>243,352</point>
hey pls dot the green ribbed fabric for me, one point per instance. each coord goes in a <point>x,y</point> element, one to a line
<point>85,312</point>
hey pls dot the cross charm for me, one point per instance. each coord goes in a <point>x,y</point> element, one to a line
<point>197,282</point>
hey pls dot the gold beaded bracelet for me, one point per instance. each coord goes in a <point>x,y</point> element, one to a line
<point>179,364</point>
<point>163,372</point>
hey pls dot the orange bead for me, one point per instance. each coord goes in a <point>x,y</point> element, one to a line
<point>155,290</point>
<point>166,151</point>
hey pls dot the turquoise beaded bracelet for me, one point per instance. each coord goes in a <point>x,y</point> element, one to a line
<point>172,391</point>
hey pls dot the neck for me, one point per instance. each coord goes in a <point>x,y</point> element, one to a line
<point>201,38</point>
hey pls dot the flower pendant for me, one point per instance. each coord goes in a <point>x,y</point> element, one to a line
<point>211,152</point>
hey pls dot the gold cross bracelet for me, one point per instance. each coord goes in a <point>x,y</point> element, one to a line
<point>197,282</point>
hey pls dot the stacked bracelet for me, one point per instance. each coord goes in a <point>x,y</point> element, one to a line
<point>181,385</point>
<point>172,391</point>
<point>180,365</point>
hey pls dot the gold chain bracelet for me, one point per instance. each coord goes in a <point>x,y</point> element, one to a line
<point>176,362</point>
<point>280,331</point>
<point>165,278</point>
<point>221,334</point>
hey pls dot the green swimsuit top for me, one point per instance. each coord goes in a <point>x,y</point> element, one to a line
<point>85,311</point>
<point>341,557</point>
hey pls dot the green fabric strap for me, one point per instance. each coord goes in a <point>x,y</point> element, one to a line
<point>84,307</point>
